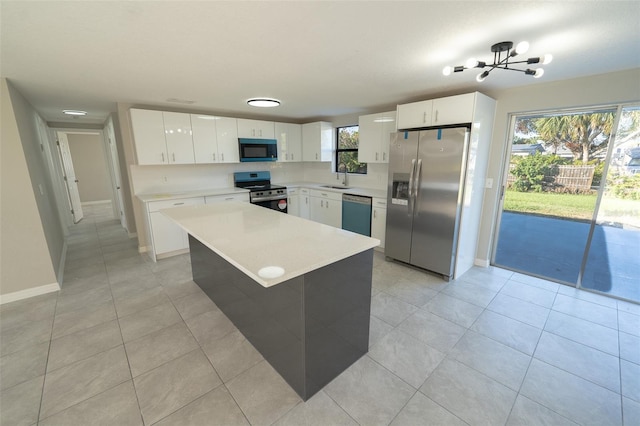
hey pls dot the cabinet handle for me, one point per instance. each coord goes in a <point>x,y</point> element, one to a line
<point>306,200</point>
<point>384,156</point>
<point>229,198</point>
<point>327,206</point>
<point>424,118</point>
<point>316,155</point>
<point>376,156</point>
<point>374,214</point>
<point>222,155</point>
<point>214,156</point>
<point>162,156</point>
<point>178,204</point>
<point>321,203</point>
<point>436,116</point>
<point>291,156</point>
<point>260,132</point>
<point>174,156</point>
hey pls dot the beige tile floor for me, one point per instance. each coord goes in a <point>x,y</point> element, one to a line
<point>131,342</point>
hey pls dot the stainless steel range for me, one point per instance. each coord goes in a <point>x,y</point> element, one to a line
<point>262,192</point>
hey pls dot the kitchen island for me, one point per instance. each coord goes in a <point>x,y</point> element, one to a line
<point>299,291</point>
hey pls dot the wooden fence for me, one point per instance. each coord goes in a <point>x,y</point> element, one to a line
<point>564,178</point>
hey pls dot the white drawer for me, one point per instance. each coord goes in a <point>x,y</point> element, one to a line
<point>154,206</point>
<point>227,197</point>
<point>380,202</point>
<point>292,191</point>
<point>329,195</point>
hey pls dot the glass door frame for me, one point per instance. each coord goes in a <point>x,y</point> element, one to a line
<point>506,157</point>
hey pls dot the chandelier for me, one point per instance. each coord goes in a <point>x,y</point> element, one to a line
<point>503,52</point>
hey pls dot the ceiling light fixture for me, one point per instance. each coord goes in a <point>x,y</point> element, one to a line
<point>499,49</point>
<point>263,102</point>
<point>74,112</point>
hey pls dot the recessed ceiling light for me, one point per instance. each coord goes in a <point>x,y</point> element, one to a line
<point>263,102</point>
<point>74,112</point>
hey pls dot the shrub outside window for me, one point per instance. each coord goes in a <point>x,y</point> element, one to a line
<point>347,151</point>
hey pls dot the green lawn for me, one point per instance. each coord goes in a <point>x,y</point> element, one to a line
<point>571,206</point>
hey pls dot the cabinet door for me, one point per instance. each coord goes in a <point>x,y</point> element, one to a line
<point>388,120</point>
<point>227,136</point>
<point>317,141</point>
<point>289,137</point>
<point>413,115</point>
<point>333,215</point>
<point>177,129</point>
<point>453,109</point>
<point>304,209</point>
<point>378,224</point>
<point>149,136</point>
<point>205,141</point>
<point>316,209</point>
<point>368,139</point>
<point>167,235</point>
<point>294,205</point>
<point>255,129</point>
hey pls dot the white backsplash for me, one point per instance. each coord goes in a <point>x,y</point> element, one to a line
<point>175,178</point>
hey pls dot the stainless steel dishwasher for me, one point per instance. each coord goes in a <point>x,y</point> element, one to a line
<point>356,214</point>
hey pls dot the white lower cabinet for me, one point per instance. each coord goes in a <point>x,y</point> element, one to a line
<point>293,200</point>
<point>304,209</point>
<point>166,236</point>
<point>326,207</point>
<point>379,219</point>
<point>210,199</point>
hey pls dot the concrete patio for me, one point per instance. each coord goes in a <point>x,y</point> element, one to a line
<point>554,248</point>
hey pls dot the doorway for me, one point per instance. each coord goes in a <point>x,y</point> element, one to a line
<point>569,211</point>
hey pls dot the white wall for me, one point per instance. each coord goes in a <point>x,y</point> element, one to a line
<point>90,166</point>
<point>604,89</point>
<point>32,243</point>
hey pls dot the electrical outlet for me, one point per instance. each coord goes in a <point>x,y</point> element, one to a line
<point>488,183</point>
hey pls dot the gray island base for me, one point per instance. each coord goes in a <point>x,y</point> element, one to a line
<point>310,328</point>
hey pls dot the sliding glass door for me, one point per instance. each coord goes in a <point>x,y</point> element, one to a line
<point>612,259</point>
<point>570,209</point>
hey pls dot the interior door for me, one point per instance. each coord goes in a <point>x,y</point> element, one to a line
<point>115,169</point>
<point>438,177</point>
<point>70,180</point>
<point>402,157</point>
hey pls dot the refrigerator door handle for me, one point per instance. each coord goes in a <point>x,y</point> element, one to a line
<point>410,192</point>
<point>416,184</point>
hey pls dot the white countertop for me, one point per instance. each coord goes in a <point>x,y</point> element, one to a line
<point>251,238</point>
<point>368,192</point>
<point>145,198</point>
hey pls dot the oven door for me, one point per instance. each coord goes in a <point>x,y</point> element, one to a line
<point>279,204</point>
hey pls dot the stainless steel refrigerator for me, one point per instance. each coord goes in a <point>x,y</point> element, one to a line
<point>424,198</point>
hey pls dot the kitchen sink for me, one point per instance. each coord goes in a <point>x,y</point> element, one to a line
<point>336,187</point>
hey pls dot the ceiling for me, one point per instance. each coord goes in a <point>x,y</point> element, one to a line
<point>320,58</point>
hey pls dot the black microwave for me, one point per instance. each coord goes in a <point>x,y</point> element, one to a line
<point>252,150</point>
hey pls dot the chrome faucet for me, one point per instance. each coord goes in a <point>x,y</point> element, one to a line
<point>344,181</point>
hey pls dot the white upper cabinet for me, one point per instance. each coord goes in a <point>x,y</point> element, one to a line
<point>215,139</point>
<point>289,138</point>
<point>374,131</point>
<point>162,137</point>
<point>205,141</point>
<point>227,134</point>
<point>437,112</point>
<point>148,133</point>
<point>255,129</point>
<point>177,129</point>
<point>317,141</point>
<point>416,114</point>
<point>453,109</point>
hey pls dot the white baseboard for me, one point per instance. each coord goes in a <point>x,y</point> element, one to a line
<point>92,203</point>
<point>30,292</point>
<point>481,262</point>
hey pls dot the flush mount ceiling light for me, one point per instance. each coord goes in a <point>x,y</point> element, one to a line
<point>74,112</point>
<point>499,49</point>
<point>263,102</point>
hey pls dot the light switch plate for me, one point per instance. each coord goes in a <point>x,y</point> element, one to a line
<point>488,183</point>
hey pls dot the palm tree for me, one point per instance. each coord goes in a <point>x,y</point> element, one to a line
<point>579,133</point>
